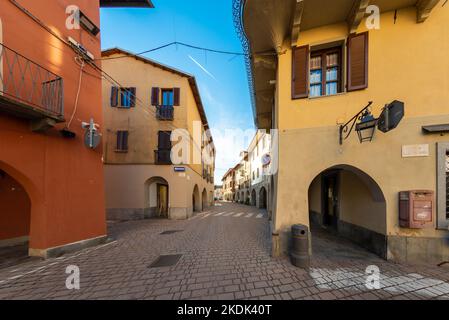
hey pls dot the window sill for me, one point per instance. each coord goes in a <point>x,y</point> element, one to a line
<point>121,151</point>
<point>328,96</point>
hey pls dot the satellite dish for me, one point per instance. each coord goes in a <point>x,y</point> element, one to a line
<point>391,116</point>
<point>266,159</point>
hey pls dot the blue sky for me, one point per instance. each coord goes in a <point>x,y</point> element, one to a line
<point>205,23</point>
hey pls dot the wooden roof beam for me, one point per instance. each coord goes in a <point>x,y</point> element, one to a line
<point>424,8</point>
<point>296,27</point>
<point>357,14</point>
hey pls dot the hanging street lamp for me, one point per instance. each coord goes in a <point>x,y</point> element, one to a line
<point>365,123</point>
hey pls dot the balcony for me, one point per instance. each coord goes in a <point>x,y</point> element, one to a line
<point>162,157</point>
<point>28,90</point>
<point>165,113</point>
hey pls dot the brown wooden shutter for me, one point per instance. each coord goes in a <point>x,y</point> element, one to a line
<point>133,92</point>
<point>300,72</point>
<point>155,96</point>
<point>122,140</point>
<point>114,96</point>
<point>164,140</point>
<point>176,96</point>
<point>357,61</point>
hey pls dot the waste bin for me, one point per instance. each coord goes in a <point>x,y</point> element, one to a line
<point>299,253</point>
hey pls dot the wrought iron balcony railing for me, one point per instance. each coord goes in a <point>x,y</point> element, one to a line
<point>165,112</point>
<point>27,89</point>
<point>162,157</point>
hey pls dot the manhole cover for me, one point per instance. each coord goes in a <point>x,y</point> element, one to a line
<point>166,261</point>
<point>170,231</point>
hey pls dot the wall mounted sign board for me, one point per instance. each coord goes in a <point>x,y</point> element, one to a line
<point>415,150</point>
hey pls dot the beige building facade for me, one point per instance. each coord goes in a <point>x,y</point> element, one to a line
<point>148,116</point>
<point>320,69</point>
<point>228,185</point>
<point>259,158</point>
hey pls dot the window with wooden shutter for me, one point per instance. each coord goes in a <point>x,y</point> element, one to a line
<point>155,96</point>
<point>300,72</point>
<point>114,96</point>
<point>163,153</point>
<point>127,97</point>
<point>167,97</point>
<point>122,141</point>
<point>325,71</point>
<point>132,93</point>
<point>164,140</point>
<point>357,61</point>
<point>177,98</point>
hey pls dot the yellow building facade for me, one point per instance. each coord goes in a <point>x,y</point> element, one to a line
<point>148,114</point>
<point>353,188</point>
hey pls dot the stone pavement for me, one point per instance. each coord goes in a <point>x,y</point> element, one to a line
<point>225,255</point>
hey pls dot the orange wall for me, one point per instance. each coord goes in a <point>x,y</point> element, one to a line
<point>64,179</point>
<point>14,209</point>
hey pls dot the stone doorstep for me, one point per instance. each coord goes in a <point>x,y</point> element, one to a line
<point>67,248</point>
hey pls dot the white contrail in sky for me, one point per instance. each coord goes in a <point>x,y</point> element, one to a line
<point>202,68</point>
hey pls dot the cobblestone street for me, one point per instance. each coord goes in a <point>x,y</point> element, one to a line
<point>225,254</point>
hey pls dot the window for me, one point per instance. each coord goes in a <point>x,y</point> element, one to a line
<point>123,97</point>
<point>126,97</point>
<point>164,148</point>
<point>325,72</point>
<point>319,71</point>
<point>170,97</point>
<point>122,141</point>
<point>257,172</point>
<point>167,97</point>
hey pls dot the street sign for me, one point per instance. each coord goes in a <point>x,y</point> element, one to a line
<point>391,116</point>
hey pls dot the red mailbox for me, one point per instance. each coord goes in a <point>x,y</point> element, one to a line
<point>416,209</point>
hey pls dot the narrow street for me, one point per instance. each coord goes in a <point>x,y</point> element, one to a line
<point>224,254</point>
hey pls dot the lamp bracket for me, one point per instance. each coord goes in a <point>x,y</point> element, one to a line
<point>346,129</point>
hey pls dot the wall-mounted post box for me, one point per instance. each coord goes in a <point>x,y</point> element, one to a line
<point>416,209</point>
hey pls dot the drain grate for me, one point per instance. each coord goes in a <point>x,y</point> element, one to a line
<point>166,261</point>
<point>170,231</point>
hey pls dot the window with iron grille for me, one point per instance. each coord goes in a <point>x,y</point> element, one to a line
<point>442,185</point>
<point>447,185</point>
<point>122,141</point>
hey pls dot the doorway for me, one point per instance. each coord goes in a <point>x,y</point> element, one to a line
<point>162,200</point>
<point>157,191</point>
<point>330,199</point>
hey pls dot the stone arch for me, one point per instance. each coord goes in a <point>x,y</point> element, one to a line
<point>211,198</point>
<point>348,201</point>
<point>253,197</point>
<point>20,210</point>
<point>204,204</point>
<point>157,198</point>
<point>196,202</point>
<point>262,198</point>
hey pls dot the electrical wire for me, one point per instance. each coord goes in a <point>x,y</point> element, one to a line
<point>180,44</point>
<point>79,60</point>
<point>139,102</point>
<point>103,73</point>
